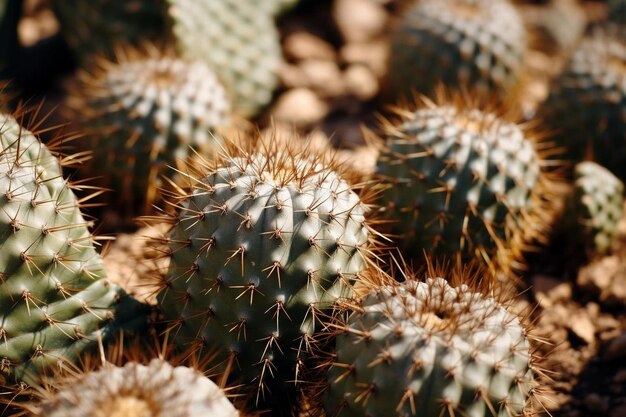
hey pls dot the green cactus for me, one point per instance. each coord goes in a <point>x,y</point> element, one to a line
<point>240,43</point>
<point>461,181</point>
<point>264,242</point>
<point>587,102</point>
<point>143,115</point>
<point>477,44</point>
<point>595,207</point>
<point>429,349</point>
<point>54,300</point>
<point>157,389</point>
<point>97,27</point>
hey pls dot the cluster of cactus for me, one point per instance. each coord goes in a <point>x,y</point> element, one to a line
<point>157,389</point>
<point>461,181</point>
<point>263,243</point>
<point>54,296</point>
<point>475,44</point>
<point>586,104</point>
<point>242,45</point>
<point>595,207</point>
<point>430,349</point>
<point>143,115</point>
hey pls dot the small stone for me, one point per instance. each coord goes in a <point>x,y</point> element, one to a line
<point>372,54</point>
<point>323,77</point>
<point>361,82</point>
<point>616,349</point>
<point>582,326</point>
<point>359,20</point>
<point>596,404</point>
<point>549,290</point>
<point>292,76</point>
<point>619,411</point>
<point>620,377</point>
<point>303,45</point>
<point>300,106</point>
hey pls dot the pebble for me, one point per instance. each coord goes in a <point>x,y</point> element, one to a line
<point>300,106</point>
<point>616,349</point>
<point>323,77</point>
<point>359,20</point>
<point>595,403</point>
<point>298,46</point>
<point>360,82</point>
<point>374,54</point>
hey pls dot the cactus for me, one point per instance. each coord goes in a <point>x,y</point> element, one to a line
<point>241,44</point>
<point>587,102</point>
<point>430,349</point>
<point>157,389</point>
<point>97,27</point>
<point>264,242</point>
<point>54,300</point>
<point>477,44</point>
<point>141,116</point>
<point>595,207</point>
<point>462,181</point>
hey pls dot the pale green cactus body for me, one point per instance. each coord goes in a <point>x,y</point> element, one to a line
<point>428,349</point>
<point>262,245</point>
<point>54,299</point>
<point>459,181</point>
<point>237,39</point>
<point>143,116</point>
<point>157,389</point>
<point>477,44</point>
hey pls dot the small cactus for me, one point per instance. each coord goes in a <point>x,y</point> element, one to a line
<point>54,299</point>
<point>430,349</point>
<point>595,207</point>
<point>461,181</point>
<point>476,44</point>
<point>157,389</point>
<point>587,102</point>
<point>238,39</point>
<point>264,241</point>
<point>142,116</point>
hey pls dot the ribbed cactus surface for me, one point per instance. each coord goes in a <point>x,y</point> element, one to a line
<point>263,243</point>
<point>478,44</point>
<point>54,300</point>
<point>459,181</point>
<point>157,389</point>
<point>143,116</point>
<point>237,39</point>
<point>429,349</point>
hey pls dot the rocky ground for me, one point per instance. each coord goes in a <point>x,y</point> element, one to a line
<point>331,88</point>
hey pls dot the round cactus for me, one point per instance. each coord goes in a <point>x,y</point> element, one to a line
<point>429,349</point>
<point>97,27</point>
<point>157,389</point>
<point>263,243</point>
<point>477,44</point>
<point>142,116</point>
<point>596,207</point>
<point>241,44</point>
<point>586,104</point>
<point>462,181</point>
<point>54,302</point>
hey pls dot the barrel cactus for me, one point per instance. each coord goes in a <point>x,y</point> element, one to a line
<point>142,116</point>
<point>587,102</point>
<point>461,181</point>
<point>595,207</point>
<point>241,44</point>
<point>477,44</point>
<point>98,27</point>
<point>157,389</point>
<point>54,299</point>
<point>264,242</point>
<point>430,349</point>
